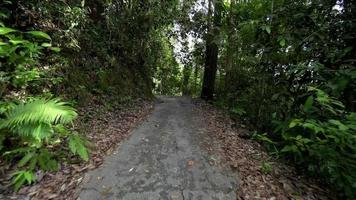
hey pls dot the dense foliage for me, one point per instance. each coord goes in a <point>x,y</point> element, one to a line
<point>288,69</point>
<point>292,78</point>
<point>31,132</point>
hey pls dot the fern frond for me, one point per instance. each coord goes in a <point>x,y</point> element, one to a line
<point>38,111</point>
<point>38,131</point>
<point>77,145</point>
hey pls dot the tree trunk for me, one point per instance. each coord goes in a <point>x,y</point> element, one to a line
<point>186,76</point>
<point>195,80</point>
<point>229,51</point>
<point>350,91</point>
<point>211,53</point>
<point>97,9</point>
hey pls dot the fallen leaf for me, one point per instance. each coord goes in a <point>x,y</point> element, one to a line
<point>190,163</point>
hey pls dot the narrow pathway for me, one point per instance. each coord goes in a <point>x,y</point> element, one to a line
<point>162,160</point>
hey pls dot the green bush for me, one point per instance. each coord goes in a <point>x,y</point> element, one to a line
<point>323,140</point>
<point>20,69</point>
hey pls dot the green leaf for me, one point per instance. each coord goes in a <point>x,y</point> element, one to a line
<point>55,49</point>
<point>19,150</point>
<point>83,153</point>
<point>290,148</point>
<point>33,163</point>
<point>16,42</point>
<point>47,161</point>
<point>46,44</point>
<point>351,116</point>
<point>308,104</point>
<point>40,34</point>
<point>294,122</point>
<point>19,182</point>
<point>5,30</point>
<point>282,42</point>
<point>37,131</point>
<point>20,177</point>
<point>315,127</point>
<point>340,125</point>
<point>25,159</point>
<point>77,146</point>
<point>268,29</point>
<point>3,15</point>
<point>60,129</point>
<point>30,177</point>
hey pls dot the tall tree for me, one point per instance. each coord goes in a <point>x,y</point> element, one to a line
<point>229,48</point>
<point>212,50</point>
<point>186,76</point>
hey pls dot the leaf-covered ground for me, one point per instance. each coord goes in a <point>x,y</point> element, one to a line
<point>259,175</point>
<point>105,128</point>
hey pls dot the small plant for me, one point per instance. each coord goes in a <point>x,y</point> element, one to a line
<point>265,140</point>
<point>238,111</point>
<point>35,129</point>
<point>262,138</point>
<point>323,139</point>
<point>21,177</point>
<point>266,168</point>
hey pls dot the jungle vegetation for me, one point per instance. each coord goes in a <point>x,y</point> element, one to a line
<point>284,67</point>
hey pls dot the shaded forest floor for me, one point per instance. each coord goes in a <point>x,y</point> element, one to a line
<point>260,176</point>
<point>106,127</point>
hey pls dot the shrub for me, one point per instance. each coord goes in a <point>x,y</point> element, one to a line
<point>33,131</point>
<point>323,140</point>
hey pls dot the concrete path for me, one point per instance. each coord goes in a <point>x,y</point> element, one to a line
<point>162,160</point>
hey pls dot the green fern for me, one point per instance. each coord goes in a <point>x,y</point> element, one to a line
<point>39,111</point>
<point>37,126</point>
<point>38,131</point>
<point>35,119</point>
<point>22,176</point>
<point>77,145</point>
